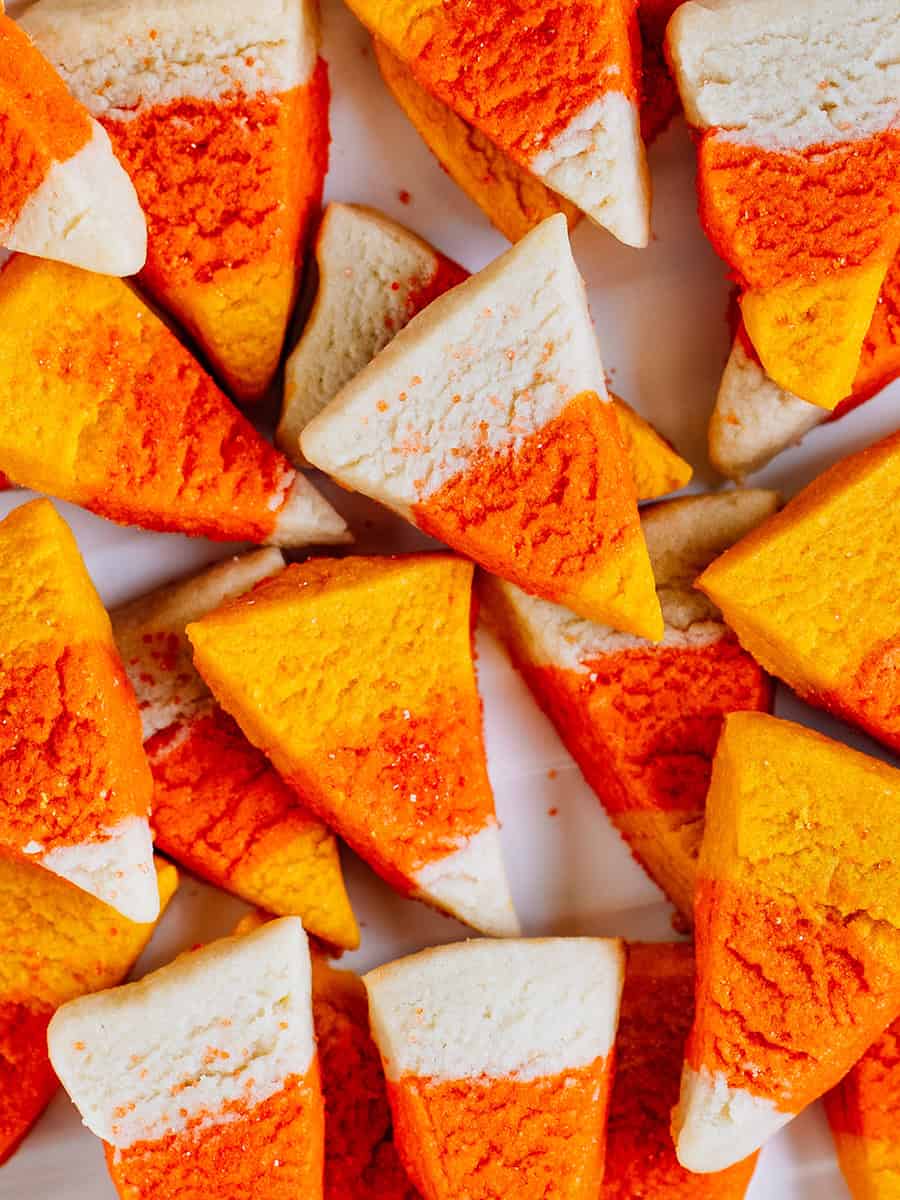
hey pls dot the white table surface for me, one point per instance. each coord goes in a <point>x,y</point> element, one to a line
<point>660,315</point>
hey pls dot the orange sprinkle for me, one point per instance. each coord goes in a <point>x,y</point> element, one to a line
<point>522,82</point>
<point>271,1151</point>
<point>60,713</point>
<point>781,991</point>
<point>40,122</point>
<point>778,216</point>
<point>559,503</point>
<point>484,1138</point>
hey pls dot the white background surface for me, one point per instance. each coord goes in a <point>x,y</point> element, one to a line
<point>660,317</point>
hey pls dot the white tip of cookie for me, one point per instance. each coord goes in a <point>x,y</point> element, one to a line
<point>218,1030</point>
<point>471,885</point>
<point>716,1125</point>
<point>86,213</point>
<point>117,869</point>
<point>755,418</point>
<point>307,519</point>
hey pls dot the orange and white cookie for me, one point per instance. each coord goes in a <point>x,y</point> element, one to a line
<point>657,1011</point>
<point>864,1115</point>
<point>799,170</point>
<point>356,677</point>
<point>555,88</point>
<point>101,405</point>
<point>74,784</point>
<point>642,719</point>
<point>486,423</point>
<point>202,1079</point>
<point>374,277</point>
<point>812,592</point>
<point>219,807</point>
<point>755,419</point>
<point>797,925</point>
<point>228,226</point>
<point>498,1057</point>
<point>63,194</point>
<point>56,943</point>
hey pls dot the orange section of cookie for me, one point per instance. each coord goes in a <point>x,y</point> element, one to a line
<point>247,1142</point>
<point>642,720</point>
<point>56,943</point>
<point>654,1022</point>
<point>863,1112</point>
<point>812,593</point>
<point>797,932</point>
<point>226,231</point>
<point>380,731</point>
<point>102,406</point>
<point>361,1162</point>
<point>73,778</point>
<point>660,101</point>
<point>219,807</point>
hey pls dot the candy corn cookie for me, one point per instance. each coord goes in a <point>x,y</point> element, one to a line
<point>361,1161</point>
<point>498,1062</point>
<point>755,419</point>
<point>374,276</point>
<point>642,719</point>
<point>812,593</point>
<point>356,678</point>
<point>555,88</point>
<point>56,943</point>
<point>799,170</point>
<point>233,1107</point>
<point>101,405</point>
<point>219,807</point>
<point>864,1115</point>
<point>64,195</point>
<point>227,226</point>
<point>654,1022</point>
<point>797,933</point>
<point>512,198</point>
<point>487,424</point>
<point>660,101</point>
<point>74,785</point>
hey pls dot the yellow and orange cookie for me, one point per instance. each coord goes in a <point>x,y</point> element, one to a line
<point>864,1115</point>
<point>56,943</point>
<point>799,171</point>
<point>219,807</point>
<point>498,1057</point>
<point>100,404</point>
<point>219,113</point>
<point>74,784</point>
<point>797,923</point>
<point>63,195</point>
<point>361,1161</point>
<point>486,423</point>
<point>812,593</point>
<point>755,419</point>
<point>232,1107</point>
<point>374,277</point>
<point>556,89</point>
<point>642,720</point>
<point>654,1022</point>
<point>356,677</point>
